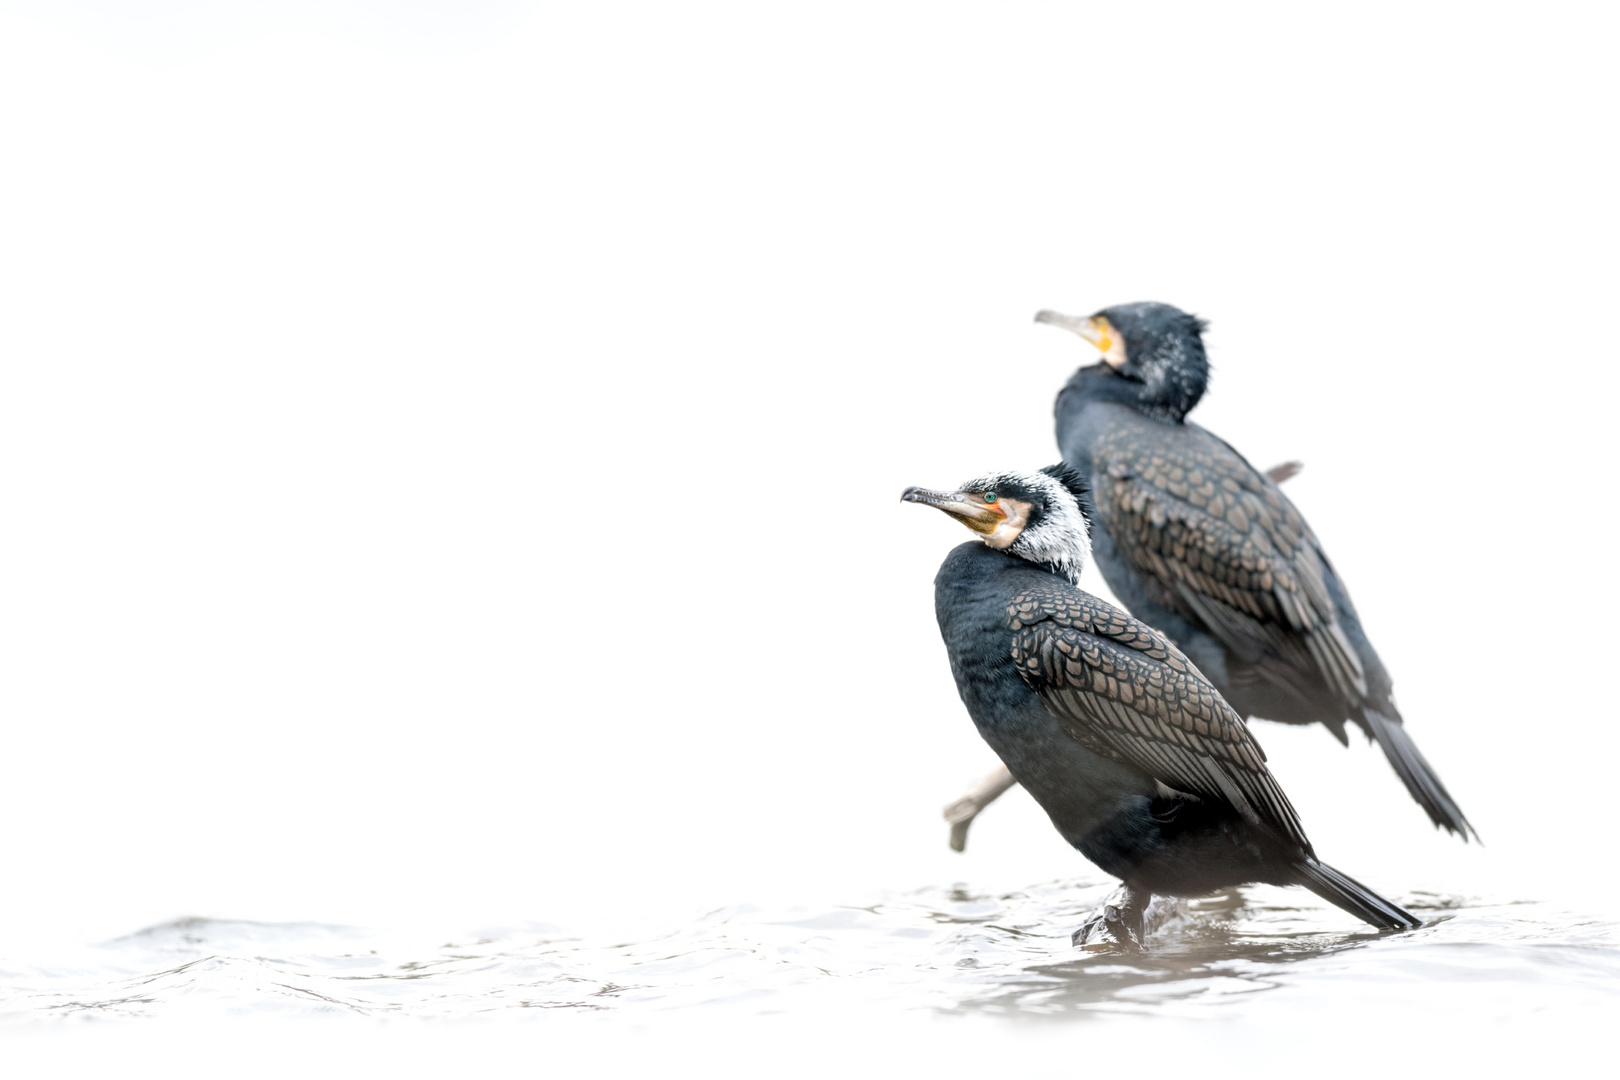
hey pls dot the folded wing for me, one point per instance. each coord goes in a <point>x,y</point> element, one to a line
<point>1122,690</point>
<point>1226,547</point>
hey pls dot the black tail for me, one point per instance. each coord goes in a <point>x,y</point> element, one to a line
<point>1354,897</point>
<point>1416,773</point>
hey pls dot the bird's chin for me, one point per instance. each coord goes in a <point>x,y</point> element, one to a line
<point>985,527</point>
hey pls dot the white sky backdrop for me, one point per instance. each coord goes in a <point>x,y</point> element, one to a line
<point>451,451</point>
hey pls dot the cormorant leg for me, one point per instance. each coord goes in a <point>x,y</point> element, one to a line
<point>1119,920</point>
<point>962,812</point>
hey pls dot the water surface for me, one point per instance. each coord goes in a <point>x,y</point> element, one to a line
<point>1260,953</point>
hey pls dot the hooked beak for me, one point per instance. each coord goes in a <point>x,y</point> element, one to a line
<point>1096,329</point>
<point>975,515</point>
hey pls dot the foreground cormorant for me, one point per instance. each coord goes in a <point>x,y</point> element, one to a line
<point>998,781</point>
<point>1132,753</point>
<point>1202,545</point>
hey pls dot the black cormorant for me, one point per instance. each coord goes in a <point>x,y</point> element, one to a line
<point>998,781</point>
<point>1203,546</point>
<point>1132,753</point>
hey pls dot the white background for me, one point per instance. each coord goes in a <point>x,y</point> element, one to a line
<point>451,452</point>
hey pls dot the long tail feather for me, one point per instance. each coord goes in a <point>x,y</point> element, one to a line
<point>1417,774</point>
<point>1346,892</point>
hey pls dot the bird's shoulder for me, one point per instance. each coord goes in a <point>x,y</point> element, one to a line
<point>1063,606</point>
<point>1184,472</point>
<point>1068,641</point>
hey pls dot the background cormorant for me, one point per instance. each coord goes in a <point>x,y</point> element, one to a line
<point>1202,545</point>
<point>1132,753</point>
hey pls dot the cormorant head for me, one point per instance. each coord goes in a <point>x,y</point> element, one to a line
<point>1038,516</point>
<point>1158,347</point>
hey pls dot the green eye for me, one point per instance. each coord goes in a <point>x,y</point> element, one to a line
<point>989,496</point>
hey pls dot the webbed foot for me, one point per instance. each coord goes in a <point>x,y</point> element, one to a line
<point>1118,922</point>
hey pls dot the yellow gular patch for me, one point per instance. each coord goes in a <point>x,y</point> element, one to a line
<point>1109,343</point>
<point>1007,531</point>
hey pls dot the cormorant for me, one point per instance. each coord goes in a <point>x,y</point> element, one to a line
<point>1132,753</point>
<point>1198,543</point>
<point>998,781</point>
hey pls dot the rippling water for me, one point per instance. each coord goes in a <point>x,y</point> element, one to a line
<point>1259,953</point>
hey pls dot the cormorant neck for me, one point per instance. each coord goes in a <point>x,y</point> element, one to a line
<point>1173,373</point>
<point>1011,557</point>
<point>1167,394</point>
<point>1068,571</point>
<point>1060,543</point>
<point>1169,401</point>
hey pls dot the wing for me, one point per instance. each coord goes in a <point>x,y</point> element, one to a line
<point>1122,690</point>
<point>1226,548</point>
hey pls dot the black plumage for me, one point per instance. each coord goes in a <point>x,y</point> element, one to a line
<point>1203,546</point>
<point>1132,753</point>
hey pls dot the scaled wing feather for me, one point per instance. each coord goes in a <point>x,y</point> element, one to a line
<point>1223,545</point>
<point>1123,690</point>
